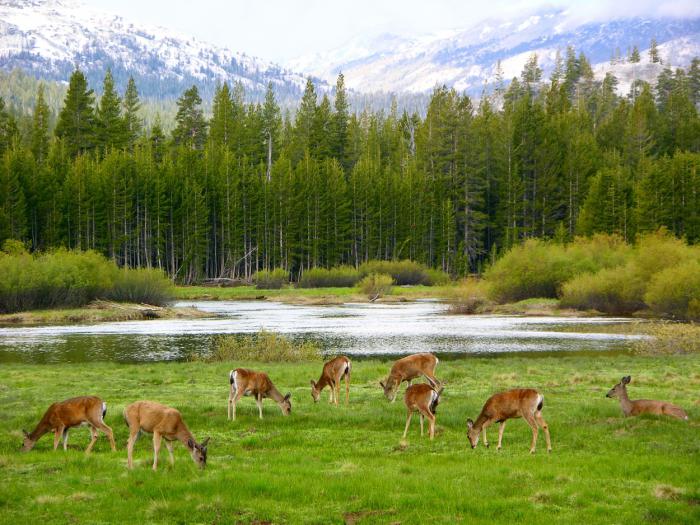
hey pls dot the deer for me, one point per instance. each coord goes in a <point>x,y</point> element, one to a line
<point>519,402</point>
<point>422,398</point>
<point>250,383</point>
<point>62,416</point>
<point>333,371</point>
<point>407,369</point>
<point>163,422</point>
<point>643,406</point>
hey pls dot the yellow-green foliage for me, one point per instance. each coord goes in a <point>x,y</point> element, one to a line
<point>341,277</point>
<point>539,268</point>
<point>667,338</point>
<point>675,291</point>
<point>271,279</point>
<point>376,285</point>
<point>142,285</point>
<point>266,347</point>
<point>468,296</point>
<point>402,272</point>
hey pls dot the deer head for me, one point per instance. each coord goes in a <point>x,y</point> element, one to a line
<point>286,404</point>
<point>390,388</point>
<point>619,389</point>
<point>28,442</point>
<point>472,433</point>
<point>315,391</point>
<point>198,451</point>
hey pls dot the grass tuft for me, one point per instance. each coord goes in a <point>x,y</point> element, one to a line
<point>266,347</point>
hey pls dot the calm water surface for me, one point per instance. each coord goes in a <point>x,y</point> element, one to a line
<point>354,329</point>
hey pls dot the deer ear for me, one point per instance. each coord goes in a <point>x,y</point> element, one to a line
<point>26,434</point>
<point>313,383</point>
<point>626,380</point>
<point>470,424</point>
<point>289,394</point>
<point>381,384</point>
<point>205,442</point>
<point>190,443</point>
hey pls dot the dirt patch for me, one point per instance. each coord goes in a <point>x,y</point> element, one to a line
<point>668,492</point>
<point>355,517</point>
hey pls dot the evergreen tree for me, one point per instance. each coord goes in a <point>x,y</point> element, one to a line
<point>694,81</point>
<point>303,124</point>
<point>191,129</point>
<point>110,127</point>
<point>132,105</point>
<point>222,125</point>
<point>634,55</point>
<point>8,128</point>
<point>39,139</point>
<point>340,121</point>
<point>76,121</point>
<point>271,128</point>
<point>654,57</point>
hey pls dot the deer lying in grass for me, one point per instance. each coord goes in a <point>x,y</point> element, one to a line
<point>61,417</point>
<point>250,383</point>
<point>162,422</point>
<point>407,369</point>
<point>424,399</point>
<point>333,371</point>
<point>520,402</point>
<point>643,406</point>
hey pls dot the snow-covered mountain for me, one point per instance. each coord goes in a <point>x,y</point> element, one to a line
<point>467,58</point>
<point>48,38</point>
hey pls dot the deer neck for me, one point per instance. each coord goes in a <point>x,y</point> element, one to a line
<point>322,383</point>
<point>480,421</point>
<point>625,402</point>
<point>183,435</point>
<point>275,395</point>
<point>42,428</point>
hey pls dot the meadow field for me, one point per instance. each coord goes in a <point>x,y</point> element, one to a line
<point>348,464</point>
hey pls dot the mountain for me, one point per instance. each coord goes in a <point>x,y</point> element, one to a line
<point>467,59</point>
<point>48,38</point>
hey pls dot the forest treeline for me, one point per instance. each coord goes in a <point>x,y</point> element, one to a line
<point>249,189</point>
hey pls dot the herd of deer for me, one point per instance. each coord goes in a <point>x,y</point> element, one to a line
<point>166,422</point>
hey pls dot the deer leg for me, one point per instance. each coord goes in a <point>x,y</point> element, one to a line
<point>543,425</point>
<point>337,392</point>
<point>421,423</point>
<point>156,448</point>
<point>347,388</point>
<point>231,404</point>
<point>237,397</point>
<point>483,432</point>
<point>93,439</point>
<point>65,439</point>
<point>331,393</point>
<point>431,423</point>
<point>533,425</point>
<point>133,436</point>
<point>108,432</point>
<point>57,436</point>
<point>169,446</point>
<point>501,428</point>
<point>408,422</point>
<point>258,400</point>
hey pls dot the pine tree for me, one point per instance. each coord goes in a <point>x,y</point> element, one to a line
<point>271,122</point>
<point>654,57</point>
<point>76,121</point>
<point>634,55</point>
<point>8,128</point>
<point>132,121</point>
<point>40,127</point>
<point>340,122</point>
<point>221,126</point>
<point>110,127</point>
<point>694,81</point>
<point>304,120</point>
<point>191,129</point>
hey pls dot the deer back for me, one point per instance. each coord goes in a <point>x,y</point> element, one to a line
<point>152,416</point>
<point>412,366</point>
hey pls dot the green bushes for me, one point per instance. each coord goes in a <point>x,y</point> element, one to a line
<point>376,285</point>
<point>675,291</point>
<point>342,277</point>
<point>64,278</point>
<point>266,347</point>
<point>143,285</point>
<point>271,279</point>
<point>468,297</point>
<point>402,272</point>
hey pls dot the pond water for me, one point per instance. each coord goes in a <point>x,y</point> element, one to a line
<point>354,329</point>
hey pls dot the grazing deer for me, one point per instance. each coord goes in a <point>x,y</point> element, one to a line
<point>643,406</point>
<point>424,399</point>
<point>250,383</point>
<point>162,422</point>
<point>60,417</point>
<point>407,369</point>
<point>519,402</point>
<point>333,371</point>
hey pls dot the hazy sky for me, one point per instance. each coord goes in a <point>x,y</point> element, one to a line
<point>279,30</point>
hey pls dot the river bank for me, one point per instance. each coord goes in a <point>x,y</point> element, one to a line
<point>324,464</point>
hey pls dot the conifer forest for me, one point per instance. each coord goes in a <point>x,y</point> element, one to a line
<point>251,187</point>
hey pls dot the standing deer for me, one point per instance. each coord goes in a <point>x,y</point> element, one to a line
<point>333,371</point>
<point>519,402</point>
<point>162,422</point>
<point>407,369</point>
<point>60,417</point>
<point>250,383</point>
<point>424,399</point>
<point>643,406</point>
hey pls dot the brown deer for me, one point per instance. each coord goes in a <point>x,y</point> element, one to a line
<point>61,417</point>
<point>424,399</point>
<point>407,369</point>
<point>519,402</point>
<point>162,422</point>
<point>250,383</point>
<point>333,371</point>
<point>643,406</point>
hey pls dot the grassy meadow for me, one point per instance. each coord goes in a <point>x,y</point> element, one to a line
<point>324,464</point>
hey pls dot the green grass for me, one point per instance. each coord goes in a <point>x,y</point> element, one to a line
<point>332,465</point>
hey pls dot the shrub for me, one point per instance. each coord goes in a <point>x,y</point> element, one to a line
<point>341,276</point>
<point>669,338</point>
<point>468,297</point>
<point>612,290</point>
<point>376,285</point>
<point>403,272</point>
<point>264,346</point>
<point>434,277</point>
<point>143,285</point>
<point>271,279</point>
<point>675,291</point>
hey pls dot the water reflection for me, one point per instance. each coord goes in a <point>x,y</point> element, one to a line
<point>356,329</point>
